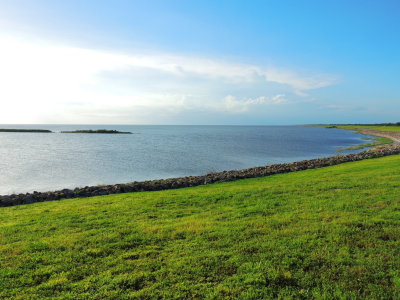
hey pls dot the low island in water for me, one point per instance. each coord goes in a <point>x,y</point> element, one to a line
<point>107,131</point>
<point>24,130</point>
<point>98,131</point>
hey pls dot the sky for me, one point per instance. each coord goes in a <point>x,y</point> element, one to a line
<point>199,62</point>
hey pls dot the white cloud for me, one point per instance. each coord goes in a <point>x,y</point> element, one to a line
<point>345,108</point>
<point>297,81</point>
<point>300,93</point>
<point>232,105</point>
<point>40,82</point>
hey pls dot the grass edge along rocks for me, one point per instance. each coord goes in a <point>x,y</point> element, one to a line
<point>191,181</point>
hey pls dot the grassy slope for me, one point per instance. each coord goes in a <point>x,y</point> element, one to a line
<point>330,232</point>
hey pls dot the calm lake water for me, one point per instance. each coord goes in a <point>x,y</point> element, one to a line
<point>49,161</point>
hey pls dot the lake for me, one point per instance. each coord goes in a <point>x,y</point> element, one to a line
<point>51,161</point>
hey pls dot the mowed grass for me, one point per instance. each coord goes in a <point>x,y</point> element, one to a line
<point>328,233</point>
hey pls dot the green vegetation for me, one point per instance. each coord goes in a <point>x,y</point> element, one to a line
<point>329,233</point>
<point>24,130</point>
<point>376,141</point>
<point>98,131</point>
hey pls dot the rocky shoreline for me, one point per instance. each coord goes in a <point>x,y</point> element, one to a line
<point>191,181</point>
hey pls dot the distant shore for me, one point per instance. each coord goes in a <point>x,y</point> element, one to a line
<point>100,131</point>
<point>386,130</point>
<point>25,130</point>
<point>394,136</point>
<point>387,133</point>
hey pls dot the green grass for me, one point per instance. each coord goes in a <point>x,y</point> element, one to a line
<point>330,233</point>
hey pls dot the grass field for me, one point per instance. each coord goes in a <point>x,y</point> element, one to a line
<point>329,233</point>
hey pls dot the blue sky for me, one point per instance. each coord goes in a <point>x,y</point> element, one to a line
<point>199,62</point>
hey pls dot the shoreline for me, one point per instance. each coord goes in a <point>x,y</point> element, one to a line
<point>192,181</point>
<point>362,129</point>
<point>394,136</point>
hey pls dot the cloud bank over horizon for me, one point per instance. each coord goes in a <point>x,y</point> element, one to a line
<point>46,83</point>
